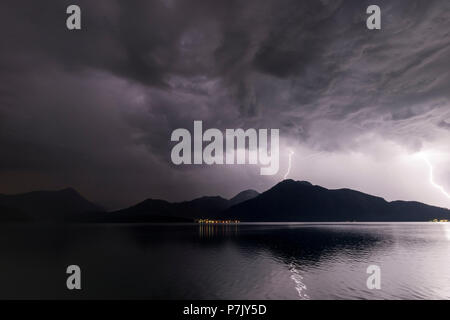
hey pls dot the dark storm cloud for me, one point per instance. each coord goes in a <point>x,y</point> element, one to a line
<point>95,108</point>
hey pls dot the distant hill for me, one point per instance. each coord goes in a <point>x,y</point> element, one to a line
<point>204,207</point>
<point>69,206</point>
<point>148,211</point>
<point>243,196</point>
<point>62,205</point>
<point>287,201</point>
<point>301,201</point>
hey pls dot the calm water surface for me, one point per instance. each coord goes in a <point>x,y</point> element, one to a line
<point>248,261</point>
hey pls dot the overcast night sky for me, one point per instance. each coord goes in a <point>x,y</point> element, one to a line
<point>94,109</point>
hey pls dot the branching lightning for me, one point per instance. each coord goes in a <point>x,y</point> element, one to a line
<point>434,184</point>
<point>291,153</point>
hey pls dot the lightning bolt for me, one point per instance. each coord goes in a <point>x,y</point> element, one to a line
<point>291,153</point>
<point>434,184</point>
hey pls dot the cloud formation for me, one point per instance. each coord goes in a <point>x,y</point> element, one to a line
<point>95,108</point>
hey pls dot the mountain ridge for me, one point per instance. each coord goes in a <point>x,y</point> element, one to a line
<point>300,201</point>
<point>206,207</point>
<point>60,205</point>
<point>286,201</point>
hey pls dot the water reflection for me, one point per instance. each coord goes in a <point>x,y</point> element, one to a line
<point>244,261</point>
<point>209,230</point>
<point>299,282</point>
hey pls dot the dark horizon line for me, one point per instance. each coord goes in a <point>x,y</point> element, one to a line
<point>72,189</point>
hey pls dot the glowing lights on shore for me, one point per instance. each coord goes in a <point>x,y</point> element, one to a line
<point>208,221</point>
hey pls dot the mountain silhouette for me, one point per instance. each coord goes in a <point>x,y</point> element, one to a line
<point>62,205</point>
<point>287,201</point>
<point>301,201</point>
<point>204,207</point>
<point>147,211</point>
<point>243,196</point>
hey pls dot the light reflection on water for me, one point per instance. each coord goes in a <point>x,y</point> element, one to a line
<point>211,230</point>
<point>245,261</point>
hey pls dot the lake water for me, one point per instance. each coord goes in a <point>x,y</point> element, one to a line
<point>246,261</point>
